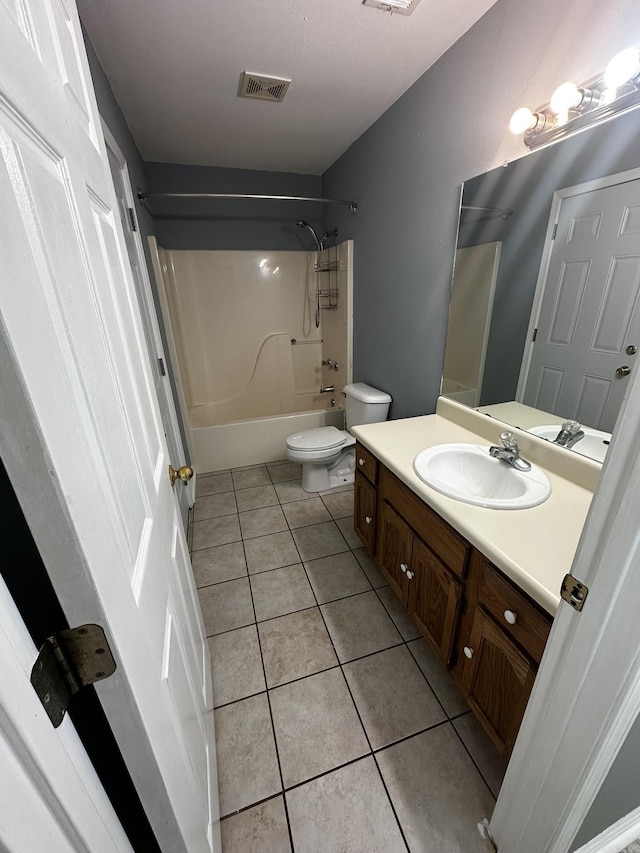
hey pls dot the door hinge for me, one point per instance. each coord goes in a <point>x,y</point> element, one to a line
<point>68,661</point>
<point>535,334</point>
<point>132,218</point>
<point>555,231</point>
<point>163,369</point>
<point>574,592</point>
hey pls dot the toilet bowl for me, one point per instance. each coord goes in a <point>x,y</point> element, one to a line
<point>327,454</point>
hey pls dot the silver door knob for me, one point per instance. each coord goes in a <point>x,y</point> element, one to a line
<point>625,370</point>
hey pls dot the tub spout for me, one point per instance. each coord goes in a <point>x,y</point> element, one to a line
<point>329,389</point>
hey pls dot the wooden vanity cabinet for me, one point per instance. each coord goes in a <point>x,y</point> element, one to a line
<point>482,627</point>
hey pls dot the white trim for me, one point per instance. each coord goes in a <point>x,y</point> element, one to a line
<point>615,837</point>
<point>558,197</point>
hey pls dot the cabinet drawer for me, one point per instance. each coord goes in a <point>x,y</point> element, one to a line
<point>366,463</point>
<point>506,603</point>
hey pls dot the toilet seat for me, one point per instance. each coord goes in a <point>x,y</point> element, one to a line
<point>314,440</point>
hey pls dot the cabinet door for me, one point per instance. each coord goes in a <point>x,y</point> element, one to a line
<point>364,513</point>
<point>394,550</point>
<point>434,600</point>
<point>497,681</point>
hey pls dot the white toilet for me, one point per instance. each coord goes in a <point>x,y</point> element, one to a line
<point>327,454</point>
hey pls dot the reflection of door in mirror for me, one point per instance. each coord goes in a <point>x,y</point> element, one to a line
<point>474,284</point>
<point>589,310</point>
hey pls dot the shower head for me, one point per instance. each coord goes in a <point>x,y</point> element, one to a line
<point>302,223</point>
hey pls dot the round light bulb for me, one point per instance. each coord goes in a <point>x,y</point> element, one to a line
<point>623,67</point>
<point>565,97</point>
<point>521,120</point>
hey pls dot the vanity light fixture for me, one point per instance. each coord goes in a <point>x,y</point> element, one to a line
<point>573,107</point>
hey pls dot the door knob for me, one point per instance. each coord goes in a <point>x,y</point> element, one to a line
<point>625,370</point>
<point>632,349</point>
<point>184,473</point>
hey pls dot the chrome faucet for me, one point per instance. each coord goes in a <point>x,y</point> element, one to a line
<point>570,433</point>
<point>509,452</point>
<point>332,365</point>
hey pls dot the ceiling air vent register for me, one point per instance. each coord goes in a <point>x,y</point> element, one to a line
<point>402,7</point>
<point>262,86</point>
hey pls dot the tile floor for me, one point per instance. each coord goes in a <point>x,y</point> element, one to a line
<point>336,728</point>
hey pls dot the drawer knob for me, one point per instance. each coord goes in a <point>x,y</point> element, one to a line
<point>360,461</point>
<point>410,574</point>
<point>404,567</point>
<point>368,519</point>
<point>468,653</point>
<point>510,616</point>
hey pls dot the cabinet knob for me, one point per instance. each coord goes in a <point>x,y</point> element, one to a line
<point>360,461</point>
<point>404,567</point>
<point>510,616</point>
<point>368,519</point>
<point>410,574</point>
<point>468,653</point>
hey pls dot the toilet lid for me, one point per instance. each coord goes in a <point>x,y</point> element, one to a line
<point>323,438</point>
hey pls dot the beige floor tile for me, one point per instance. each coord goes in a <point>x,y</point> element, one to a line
<point>256,498</point>
<point>261,522</point>
<point>247,478</point>
<point>359,626</point>
<point>260,829</point>
<point>304,513</point>
<point>487,758</point>
<point>336,577</point>
<point>392,696</point>
<point>221,563</point>
<point>271,552</point>
<point>441,682</point>
<point>291,490</point>
<point>211,484</point>
<point>438,810</point>
<point>346,528</point>
<point>215,531</point>
<point>397,612</point>
<point>376,578</point>
<point>236,665</point>
<point>280,472</point>
<point>226,606</point>
<point>340,505</point>
<point>214,506</point>
<point>295,646</point>
<point>281,591</point>
<point>317,727</point>
<point>319,540</point>
<point>346,810</point>
<point>246,754</point>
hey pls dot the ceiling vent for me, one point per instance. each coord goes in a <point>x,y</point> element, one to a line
<point>402,7</point>
<point>266,88</point>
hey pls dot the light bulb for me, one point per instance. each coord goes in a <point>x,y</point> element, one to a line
<point>566,97</point>
<point>523,119</point>
<point>623,67</point>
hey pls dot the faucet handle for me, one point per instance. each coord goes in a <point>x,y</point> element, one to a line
<point>572,427</point>
<point>508,440</point>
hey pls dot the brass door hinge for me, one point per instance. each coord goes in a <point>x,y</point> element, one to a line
<point>574,592</point>
<point>68,661</point>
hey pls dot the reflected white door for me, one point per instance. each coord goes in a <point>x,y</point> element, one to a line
<point>90,429</point>
<point>590,309</point>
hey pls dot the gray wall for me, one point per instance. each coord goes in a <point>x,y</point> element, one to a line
<point>235,224</point>
<point>527,188</point>
<point>406,172</point>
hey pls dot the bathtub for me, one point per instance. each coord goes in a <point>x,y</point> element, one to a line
<point>254,440</point>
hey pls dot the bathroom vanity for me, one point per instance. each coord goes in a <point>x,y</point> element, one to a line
<point>481,585</point>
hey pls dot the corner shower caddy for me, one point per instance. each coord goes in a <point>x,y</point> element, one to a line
<point>330,293</point>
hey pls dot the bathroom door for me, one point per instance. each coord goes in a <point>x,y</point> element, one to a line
<point>81,429</point>
<point>590,311</point>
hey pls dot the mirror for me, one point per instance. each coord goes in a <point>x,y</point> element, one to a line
<point>504,236</point>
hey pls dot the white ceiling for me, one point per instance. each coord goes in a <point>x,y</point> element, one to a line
<point>175,65</point>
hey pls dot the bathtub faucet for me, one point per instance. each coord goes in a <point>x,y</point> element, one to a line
<point>328,390</point>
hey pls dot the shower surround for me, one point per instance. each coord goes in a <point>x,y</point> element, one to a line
<point>249,355</point>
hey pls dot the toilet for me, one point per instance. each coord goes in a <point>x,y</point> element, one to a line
<point>327,454</point>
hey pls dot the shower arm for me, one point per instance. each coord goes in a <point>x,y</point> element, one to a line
<point>145,196</point>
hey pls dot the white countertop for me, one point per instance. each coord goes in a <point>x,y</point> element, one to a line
<point>534,547</point>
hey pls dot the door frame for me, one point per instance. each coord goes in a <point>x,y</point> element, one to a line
<point>556,203</point>
<point>582,708</point>
<point>615,837</point>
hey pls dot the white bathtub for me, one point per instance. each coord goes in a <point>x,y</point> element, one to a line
<point>255,440</point>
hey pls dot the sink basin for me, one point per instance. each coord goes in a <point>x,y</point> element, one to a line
<point>594,444</point>
<point>467,473</point>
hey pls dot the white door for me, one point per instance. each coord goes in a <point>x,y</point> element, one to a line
<point>590,309</point>
<point>50,796</point>
<point>81,434</point>
<point>155,351</point>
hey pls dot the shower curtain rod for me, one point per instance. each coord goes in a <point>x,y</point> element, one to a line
<point>144,197</point>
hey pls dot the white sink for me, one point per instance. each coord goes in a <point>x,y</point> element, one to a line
<point>467,473</point>
<point>594,444</point>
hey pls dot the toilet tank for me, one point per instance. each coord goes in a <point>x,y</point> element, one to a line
<point>365,404</point>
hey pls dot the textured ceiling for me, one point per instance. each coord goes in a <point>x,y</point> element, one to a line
<point>175,65</point>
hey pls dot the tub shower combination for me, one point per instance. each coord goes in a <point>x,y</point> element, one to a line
<point>256,337</point>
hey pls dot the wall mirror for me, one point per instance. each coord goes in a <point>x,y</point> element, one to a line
<point>544,327</point>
